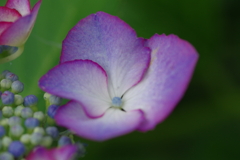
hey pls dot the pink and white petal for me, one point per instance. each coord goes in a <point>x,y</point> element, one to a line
<point>81,80</point>
<point>171,67</point>
<point>112,124</point>
<point>22,6</point>
<point>18,32</point>
<point>8,14</point>
<point>4,26</point>
<point>63,153</point>
<point>114,45</point>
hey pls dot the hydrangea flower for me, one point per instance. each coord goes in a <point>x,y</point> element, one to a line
<point>16,22</point>
<point>63,153</point>
<point>117,82</point>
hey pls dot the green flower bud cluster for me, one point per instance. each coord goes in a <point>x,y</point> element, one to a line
<point>22,125</point>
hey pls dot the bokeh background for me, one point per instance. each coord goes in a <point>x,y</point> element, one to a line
<point>206,123</point>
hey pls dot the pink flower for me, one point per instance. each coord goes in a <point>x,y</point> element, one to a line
<point>16,22</point>
<point>63,153</point>
<point>117,82</point>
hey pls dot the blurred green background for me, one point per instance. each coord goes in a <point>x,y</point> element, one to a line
<point>206,123</point>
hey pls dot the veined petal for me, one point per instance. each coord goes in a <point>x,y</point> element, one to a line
<point>171,67</point>
<point>113,44</point>
<point>4,26</point>
<point>81,80</point>
<point>8,14</point>
<point>22,6</point>
<point>18,32</point>
<point>112,124</point>
<point>63,153</point>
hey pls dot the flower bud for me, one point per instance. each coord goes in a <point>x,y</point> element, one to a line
<point>11,76</point>
<point>3,74</point>
<point>36,138</point>
<point>30,100</point>
<point>52,110</point>
<point>14,120</point>
<point>5,84</point>
<point>39,130</point>
<point>6,156</point>
<point>4,122</point>
<point>46,95</point>
<point>26,112</point>
<point>64,140</point>
<point>25,139</point>
<point>52,131</point>
<point>17,87</point>
<point>18,99</point>
<point>7,111</point>
<point>7,98</point>
<point>54,100</point>
<point>16,148</point>
<point>47,141</point>
<point>16,130</point>
<point>6,141</point>
<point>18,110</point>
<point>39,115</point>
<point>2,131</point>
<point>31,123</point>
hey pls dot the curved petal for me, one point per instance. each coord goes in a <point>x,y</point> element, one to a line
<point>113,44</point>
<point>171,67</point>
<point>81,80</point>
<point>8,14</point>
<point>112,124</point>
<point>63,153</point>
<point>22,6</point>
<point>4,26</point>
<point>18,32</point>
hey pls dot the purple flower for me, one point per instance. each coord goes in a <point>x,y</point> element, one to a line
<point>63,153</point>
<point>117,82</point>
<point>16,22</point>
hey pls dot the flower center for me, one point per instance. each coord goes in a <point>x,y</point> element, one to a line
<point>116,102</point>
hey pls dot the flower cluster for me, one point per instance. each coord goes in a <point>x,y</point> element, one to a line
<point>22,127</point>
<point>16,22</point>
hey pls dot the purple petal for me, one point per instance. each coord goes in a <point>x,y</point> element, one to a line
<point>171,67</point>
<point>4,26</point>
<point>63,153</point>
<point>22,6</point>
<point>18,32</point>
<point>81,80</point>
<point>113,44</point>
<point>112,124</point>
<point>8,14</point>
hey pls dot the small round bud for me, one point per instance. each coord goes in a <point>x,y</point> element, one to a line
<point>18,99</point>
<point>3,74</point>
<point>7,98</point>
<point>6,156</point>
<point>16,148</point>
<point>39,130</point>
<point>26,112</point>
<point>64,140</point>
<point>14,120</point>
<point>16,130</point>
<point>30,100</point>
<point>11,76</point>
<point>17,87</point>
<point>55,100</point>
<point>4,122</point>
<point>25,139</point>
<point>6,141</point>
<point>7,111</point>
<point>46,96</point>
<point>52,110</point>
<point>5,83</point>
<point>18,110</point>
<point>39,115</point>
<point>31,123</point>
<point>47,141</point>
<point>2,131</point>
<point>52,131</point>
<point>36,138</point>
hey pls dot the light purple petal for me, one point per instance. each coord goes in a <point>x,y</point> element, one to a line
<point>171,67</point>
<point>4,26</point>
<point>113,44</point>
<point>8,14</point>
<point>81,80</point>
<point>18,32</point>
<point>112,124</point>
<point>22,6</point>
<point>63,153</point>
